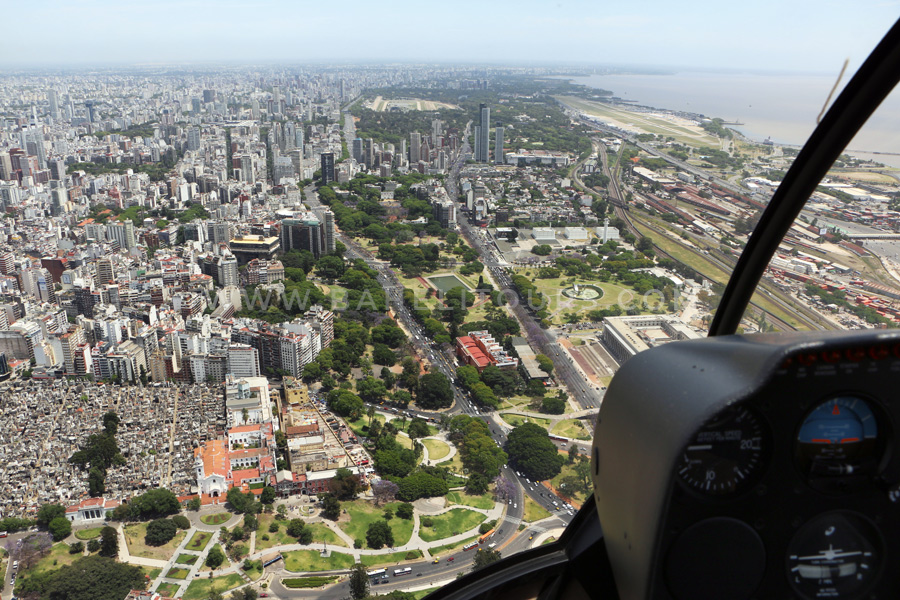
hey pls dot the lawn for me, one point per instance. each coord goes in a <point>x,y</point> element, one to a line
<point>201,588</point>
<point>485,501</point>
<point>422,593</point>
<point>88,534</point>
<point>302,561</point>
<point>360,426</point>
<point>454,464</point>
<point>177,573</point>
<point>404,442</point>
<point>517,402</point>
<point>377,560</point>
<point>167,590</point>
<point>321,533</point>
<point>572,429</point>
<point>134,537</point>
<point>363,513</point>
<point>186,559</point>
<point>215,518</point>
<point>534,511</point>
<point>578,497</point>
<point>557,303</point>
<point>307,582</point>
<point>436,449</point>
<point>453,522</point>
<point>516,420</point>
<point>151,573</point>
<point>451,547</point>
<point>57,557</point>
<point>199,541</point>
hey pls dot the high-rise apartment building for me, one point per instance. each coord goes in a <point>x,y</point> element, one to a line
<point>327,167</point>
<point>122,233</point>
<point>53,98</point>
<point>415,147</point>
<point>193,138</point>
<point>498,146</point>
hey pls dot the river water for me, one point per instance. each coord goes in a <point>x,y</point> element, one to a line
<point>781,106</point>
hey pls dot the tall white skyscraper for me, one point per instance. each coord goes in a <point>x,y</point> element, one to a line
<point>483,141</point>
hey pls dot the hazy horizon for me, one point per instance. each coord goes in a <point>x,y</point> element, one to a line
<point>797,36</point>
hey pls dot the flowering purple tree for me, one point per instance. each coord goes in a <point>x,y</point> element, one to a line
<point>384,491</point>
<point>503,488</point>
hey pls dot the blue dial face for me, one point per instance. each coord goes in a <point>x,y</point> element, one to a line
<point>839,438</point>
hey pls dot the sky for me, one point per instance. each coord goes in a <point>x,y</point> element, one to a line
<point>769,35</point>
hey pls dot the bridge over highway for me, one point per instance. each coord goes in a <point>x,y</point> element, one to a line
<point>873,236</point>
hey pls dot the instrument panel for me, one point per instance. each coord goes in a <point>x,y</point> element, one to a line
<point>785,485</point>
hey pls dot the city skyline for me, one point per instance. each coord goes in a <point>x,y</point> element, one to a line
<point>701,35</point>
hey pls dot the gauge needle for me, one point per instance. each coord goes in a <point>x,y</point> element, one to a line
<point>829,554</point>
<point>700,447</point>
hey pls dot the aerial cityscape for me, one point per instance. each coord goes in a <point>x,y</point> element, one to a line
<point>343,330</point>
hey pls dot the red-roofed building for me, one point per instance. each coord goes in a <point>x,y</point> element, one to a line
<point>479,350</point>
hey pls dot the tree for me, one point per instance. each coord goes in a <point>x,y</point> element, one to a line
<point>553,406</point>
<point>109,542</point>
<point>194,504</point>
<point>88,578</point>
<point>405,511</point>
<point>485,557</point>
<point>251,523</point>
<point>573,453</point>
<point>93,545</point>
<point>160,532</point>
<point>48,512</point>
<point>359,582</point>
<point>545,364</point>
<point>371,389</point>
<point>434,391</point>
<point>418,428</point>
<point>157,502</point>
<point>181,522</point>
<point>344,485</point>
<point>59,528</point>
<point>268,495</point>
<point>76,548</point>
<point>331,508</point>
<point>379,534</point>
<point>384,490</point>
<point>532,452</point>
<point>383,355</point>
<point>422,484</point>
<point>238,500</point>
<point>298,529</point>
<point>215,557</point>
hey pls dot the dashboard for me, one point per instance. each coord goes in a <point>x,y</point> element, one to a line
<point>747,467</point>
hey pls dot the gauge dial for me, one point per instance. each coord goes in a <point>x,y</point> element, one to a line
<point>835,555</point>
<point>839,439</point>
<point>726,455</point>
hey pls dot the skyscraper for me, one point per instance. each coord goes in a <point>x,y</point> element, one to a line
<point>357,150</point>
<point>498,146</point>
<point>483,141</point>
<point>327,167</point>
<point>122,233</point>
<point>53,97</point>
<point>415,147</point>
<point>193,138</point>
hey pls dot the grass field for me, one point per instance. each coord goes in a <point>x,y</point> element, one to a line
<point>571,428</point>
<point>377,560</point>
<point>485,501</point>
<point>57,557</point>
<point>151,573</point>
<point>186,559</point>
<point>558,303</point>
<point>577,497</point>
<point>88,534</point>
<point>177,573</point>
<point>322,533</point>
<point>201,588</point>
<point>453,522</point>
<point>296,583</point>
<point>534,511</point>
<point>516,420</point>
<point>522,402</point>
<point>134,537</point>
<point>454,464</point>
<point>360,426</point>
<point>302,561</point>
<point>167,590</point>
<point>436,449</point>
<point>363,513</point>
<point>656,123</point>
<point>404,442</point>
<point>199,541</point>
<point>215,518</point>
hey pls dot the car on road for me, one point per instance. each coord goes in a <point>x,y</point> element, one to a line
<point>435,561</point>
<point>451,559</point>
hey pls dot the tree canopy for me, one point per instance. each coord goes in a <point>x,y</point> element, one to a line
<point>532,452</point>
